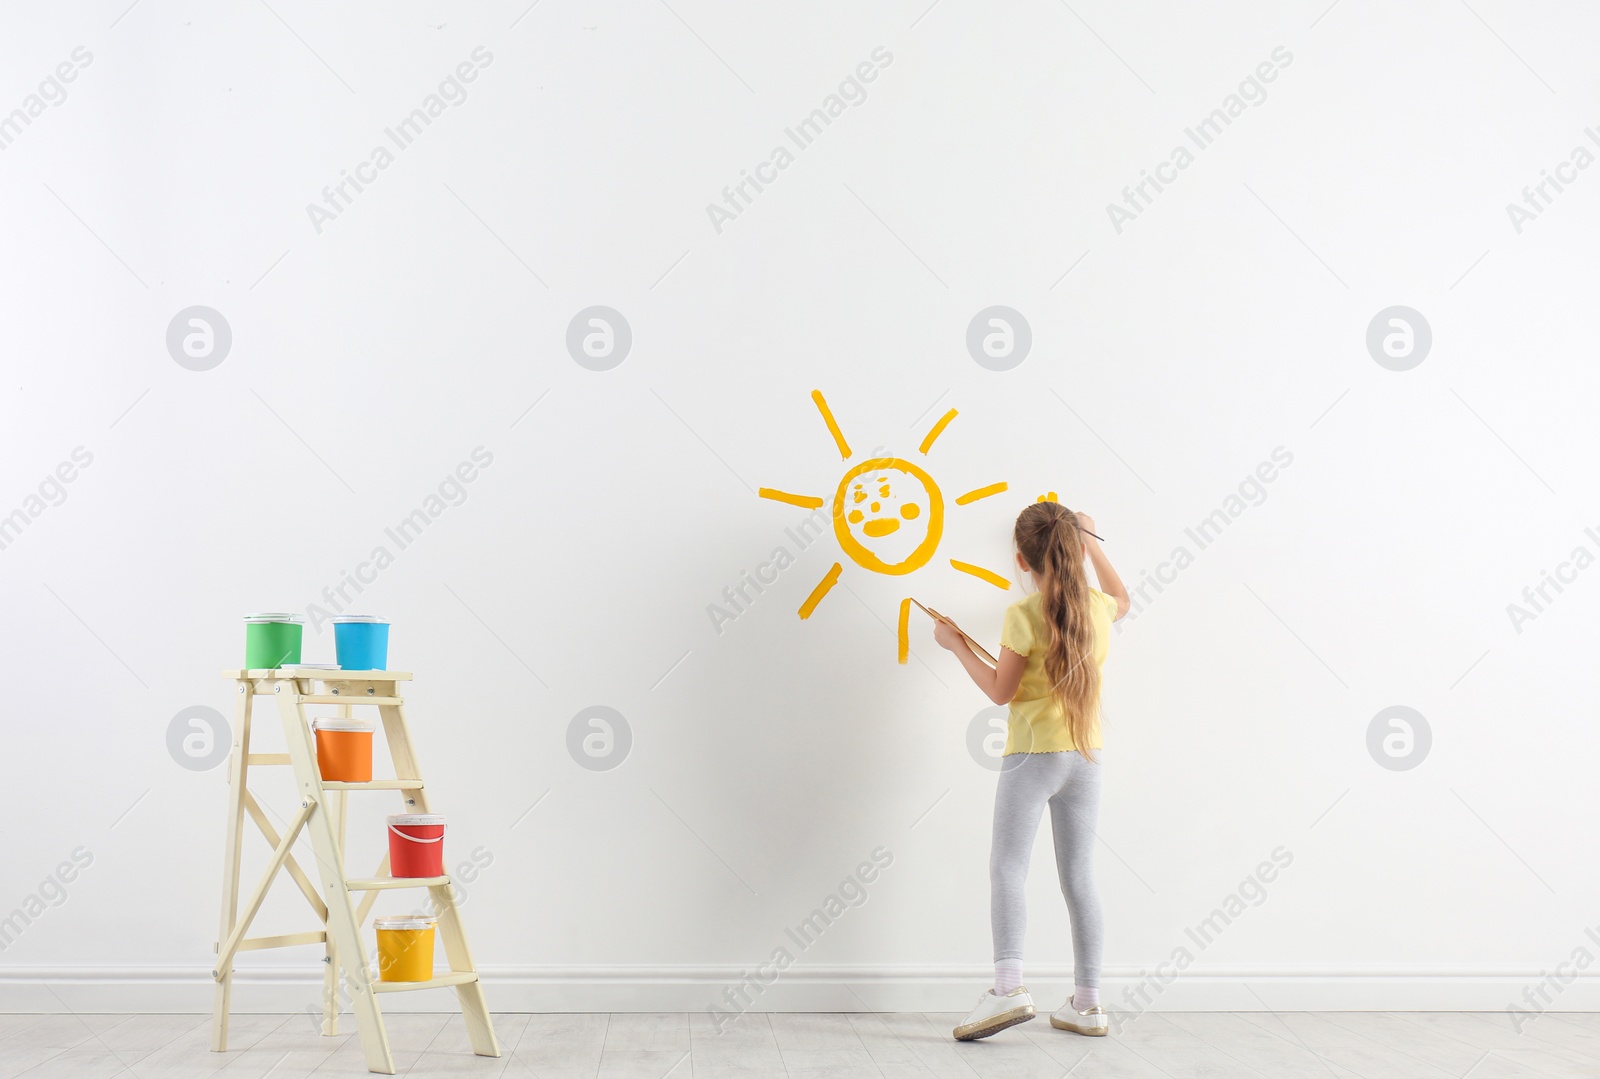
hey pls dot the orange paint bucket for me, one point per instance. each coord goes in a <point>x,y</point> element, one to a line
<point>344,750</point>
<point>405,948</point>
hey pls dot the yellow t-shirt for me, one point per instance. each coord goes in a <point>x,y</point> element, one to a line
<point>1037,723</point>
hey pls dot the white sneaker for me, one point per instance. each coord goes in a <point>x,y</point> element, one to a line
<point>994,1013</point>
<point>1091,1021</point>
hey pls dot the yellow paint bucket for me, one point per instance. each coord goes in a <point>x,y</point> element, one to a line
<point>405,948</point>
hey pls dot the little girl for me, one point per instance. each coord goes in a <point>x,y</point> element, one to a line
<point>1052,645</point>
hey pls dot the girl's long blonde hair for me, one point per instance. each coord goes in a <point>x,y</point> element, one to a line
<point>1048,539</point>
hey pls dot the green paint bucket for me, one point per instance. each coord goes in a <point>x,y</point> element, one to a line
<point>271,641</point>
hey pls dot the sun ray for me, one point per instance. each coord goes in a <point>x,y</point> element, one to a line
<point>982,574</point>
<point>829,579</point>
<point>833,425</point>
<point>981,492</point>
<point>809,502</point>
<point>936,430</point>
<point>905,623</point>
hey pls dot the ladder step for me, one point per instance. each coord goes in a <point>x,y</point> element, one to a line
<point>351,698</point>
<point>375,785</point>
<point>455,977</point>
<point>373,884</point>
<point>267,758</point>
<point>321,674</point>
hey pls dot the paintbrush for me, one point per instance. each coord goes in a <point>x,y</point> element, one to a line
<point>976,647</point>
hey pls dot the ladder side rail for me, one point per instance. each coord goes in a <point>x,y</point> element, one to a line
<point>330,963</point>
<point>474,1007</point>
<point>238,772</point>
<point>330,866</point>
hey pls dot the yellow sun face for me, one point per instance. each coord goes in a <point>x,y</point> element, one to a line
<point>888,515</point>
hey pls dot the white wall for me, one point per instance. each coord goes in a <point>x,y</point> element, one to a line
<point>1227,320</point>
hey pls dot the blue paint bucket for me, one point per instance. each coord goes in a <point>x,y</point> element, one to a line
<point>361,641</point>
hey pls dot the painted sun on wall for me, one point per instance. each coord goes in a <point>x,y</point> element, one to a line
<point>888,515</point>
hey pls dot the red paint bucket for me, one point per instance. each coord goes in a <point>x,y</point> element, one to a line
<point>416,845</point>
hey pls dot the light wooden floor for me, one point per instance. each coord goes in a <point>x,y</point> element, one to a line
<point>1368,1045</point>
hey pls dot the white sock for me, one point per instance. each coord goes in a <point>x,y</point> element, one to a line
<point>1007,975</point>
<point>1085,997</point>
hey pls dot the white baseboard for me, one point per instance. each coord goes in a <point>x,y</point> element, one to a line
<point>660,989</point>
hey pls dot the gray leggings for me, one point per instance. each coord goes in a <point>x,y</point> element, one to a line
<point>1071,785</point>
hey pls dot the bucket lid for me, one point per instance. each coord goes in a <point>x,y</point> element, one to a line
<point>339,723</point>
<point>358,618</point>
<point>404,921</point>
<point>273,616</point>
<point>403,819</point>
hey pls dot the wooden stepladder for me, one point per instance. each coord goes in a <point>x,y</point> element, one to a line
<point>321,814</point>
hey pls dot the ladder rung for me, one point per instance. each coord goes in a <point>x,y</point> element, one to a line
<point>287,940</point>
<point>455,977</point>
<point>267,758</point>
<point>375,785</point>
<point>373,884</point>
<point>351,698</point>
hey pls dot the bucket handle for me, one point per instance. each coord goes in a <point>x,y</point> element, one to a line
<point>396,830</point>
